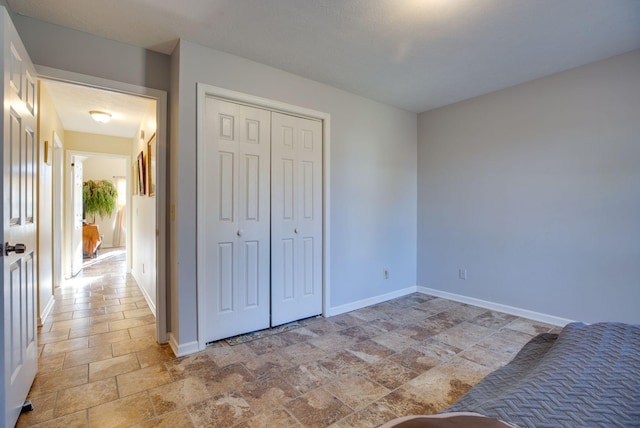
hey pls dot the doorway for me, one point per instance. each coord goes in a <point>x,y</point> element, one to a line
<point>142,210</point>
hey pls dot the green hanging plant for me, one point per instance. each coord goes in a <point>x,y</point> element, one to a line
<point>99,197</point>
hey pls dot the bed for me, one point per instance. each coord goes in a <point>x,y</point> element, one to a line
<point>586,376</point>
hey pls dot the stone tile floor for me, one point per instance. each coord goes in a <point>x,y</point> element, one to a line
<point>101,367</point>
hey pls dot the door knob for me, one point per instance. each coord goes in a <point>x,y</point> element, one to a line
<point>295,230</point>
<point>239,232</point>
<point>18,248</point>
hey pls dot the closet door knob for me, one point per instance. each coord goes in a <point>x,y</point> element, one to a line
<point>295,230</point>
<point>239,232</point>
<point>18,248</point>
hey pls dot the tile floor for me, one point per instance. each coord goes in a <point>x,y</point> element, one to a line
<point>100,366</point>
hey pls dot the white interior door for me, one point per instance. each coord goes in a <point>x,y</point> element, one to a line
<point>76,218</point>
<point>233,218</point>
<point>20,145</point>
<point>296,218</point>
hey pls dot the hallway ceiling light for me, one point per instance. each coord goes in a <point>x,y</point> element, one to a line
<point>100,116</point>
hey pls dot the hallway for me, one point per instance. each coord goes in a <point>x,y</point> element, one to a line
<point>100,334</point>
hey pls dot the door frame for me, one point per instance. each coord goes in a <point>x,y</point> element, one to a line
<point>69,184</point>
<point>160,97</point>
<point>204,90</point>
<point>69,214</point>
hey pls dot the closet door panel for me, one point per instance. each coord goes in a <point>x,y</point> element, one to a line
<point>296,227</point>
<point>234,192</point>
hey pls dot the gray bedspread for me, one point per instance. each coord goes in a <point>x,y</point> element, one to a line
<point>587,376</point>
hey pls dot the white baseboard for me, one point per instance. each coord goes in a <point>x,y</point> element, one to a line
<point>152,306</point>
<point>337,310</point>
<point>47,310</point>
<point>524,313</point>
<point>184,349</point>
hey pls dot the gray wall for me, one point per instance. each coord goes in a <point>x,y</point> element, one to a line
<point>373,177</point>
<point>535,190</point>
<point>71,50</point>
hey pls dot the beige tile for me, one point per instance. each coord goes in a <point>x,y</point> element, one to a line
<point>113,367</point>
<point>198,364</point>
<point>394,341</point>
<point>485,357</point>
<point>140,380</point>
<point>389,374</point>
<point>464,335</point>
<point>75,420</point>
<point>448,382</point>
<point>58,380</point>
<point>356,391</point>
<point>53,336</point>
<point>227,378</point>
<point>106,338</point>
<point>138,313</point>
<point>155,355</point>
<point>84,396</point>
<point>122,413</point>
<point>84,313</point>
<point>371,416</point>
<point>50,362</point>
<point>65,325</point>
<point>112,316</point>
<point>528,326</point>
<point>317,408</point>
<point>406,401</point>
<point>121,308</point>
<point>66,346</point>
<point>415,360</point>
<point>130,323</point>
<point>225,355</point>
<point>222,410</point>
<point>133,345</point>
<point>267,393</point>
<point>86,356</point>
<point>148,330</point>
<point>44,405</point>
<point>88,331</point>
<point>176,395</point>
<point>277,417</point>
<point>369,351</point>
<point>178,419</point>
<point>343,363</point>
<point>308,376</point>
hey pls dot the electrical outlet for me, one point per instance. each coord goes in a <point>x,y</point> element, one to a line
<point>462,273</point>
<point>385,273</point>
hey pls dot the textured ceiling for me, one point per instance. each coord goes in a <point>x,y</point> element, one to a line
<point>73,104</point>
<point>414,54</point>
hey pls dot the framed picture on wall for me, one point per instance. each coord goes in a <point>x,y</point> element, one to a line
<point>141,174</point>
<point>151,165</point>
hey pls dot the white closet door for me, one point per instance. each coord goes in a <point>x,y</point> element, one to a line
<point>233,257</point>
<point>296,218</point>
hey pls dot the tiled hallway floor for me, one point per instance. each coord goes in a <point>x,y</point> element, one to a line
<point>101,367</point>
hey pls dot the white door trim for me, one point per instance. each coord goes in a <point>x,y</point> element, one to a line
<point>161,172</point>
<point>204,90</point>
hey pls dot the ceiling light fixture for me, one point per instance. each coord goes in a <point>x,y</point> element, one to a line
<point>100,116</point>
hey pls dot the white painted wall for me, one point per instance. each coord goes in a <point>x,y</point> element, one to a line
<point>101,168</point>
<point>48,122</point>
<point>144,220</point>
<point>535,190</point>
<point>373,178</point>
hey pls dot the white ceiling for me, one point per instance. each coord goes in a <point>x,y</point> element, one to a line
<point>73,104</point>
<point>414,54</point>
